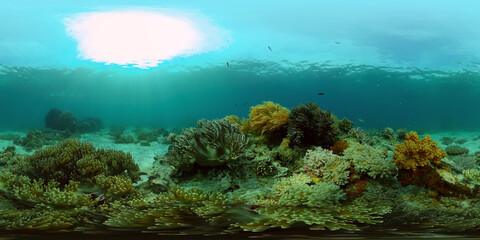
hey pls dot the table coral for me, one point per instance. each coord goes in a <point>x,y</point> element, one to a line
<point>414,153</point>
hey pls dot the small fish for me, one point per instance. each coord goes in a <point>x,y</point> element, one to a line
<point>320,93</point>
<point>245,103</point>
<point>337,42</point>
<point>270,49</point>
<point>235,104</point>
<point>361,120</point>
<point>227,64</point>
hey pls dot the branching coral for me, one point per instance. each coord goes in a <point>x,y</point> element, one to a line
<point>326,166</point>
<point>211,143</point>
<point>369,160</point>
<point>267,117</point>
<point>310,125</point>
<point>295,200</point>
<point>414,153</point>
<point>78,161</point>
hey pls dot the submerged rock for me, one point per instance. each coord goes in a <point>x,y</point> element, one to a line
<point>61,120</point>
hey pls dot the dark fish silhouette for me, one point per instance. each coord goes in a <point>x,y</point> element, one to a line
<point>227,64</point>
<point>337,42</point>
<point>320,93</point>
<point>270,49</point>
<point>245,103</point>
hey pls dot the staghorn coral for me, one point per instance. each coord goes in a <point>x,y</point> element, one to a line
<point>211,143</point>
<point>267,117</point>
<point>310,125</point>
<point>328,167</point>
<point>369,160</point>
<point>414,153</point>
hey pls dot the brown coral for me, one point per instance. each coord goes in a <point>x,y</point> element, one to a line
<point>414,153</point>
<point>267,117</point>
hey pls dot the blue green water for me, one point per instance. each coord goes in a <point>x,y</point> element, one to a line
<point>372,97</point>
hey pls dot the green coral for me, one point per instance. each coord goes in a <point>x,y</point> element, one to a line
<point>78,161</point>
<point>369,160</point>
<point>323,164</point>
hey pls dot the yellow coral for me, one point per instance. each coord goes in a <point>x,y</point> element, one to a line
<point>417,153</point>
<point>267,117</point>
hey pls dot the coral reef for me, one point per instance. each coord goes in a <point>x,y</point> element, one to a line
<point>310,125</point>
<point>447,140</point>
<point>414,153</point>
<point>61,120</point>
<point>90,125</point>
<point>37,139</point>
<point>6,155</point>
<point>325,166</point>
<point>345,125</point>
<point>371,161</point>
<point>151,135</point>
<point>74,160</point>
<point>388,134</point>
<point>225,176</point>
<point>401,133</point>
<point>456,150</point>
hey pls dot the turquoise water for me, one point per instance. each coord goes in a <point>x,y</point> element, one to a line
<point>150,70</point>
<point>371,96</point>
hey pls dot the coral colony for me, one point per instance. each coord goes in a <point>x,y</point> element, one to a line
<point>280,168</point>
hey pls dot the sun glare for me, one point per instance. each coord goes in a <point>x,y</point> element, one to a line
<point>140,39</point>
